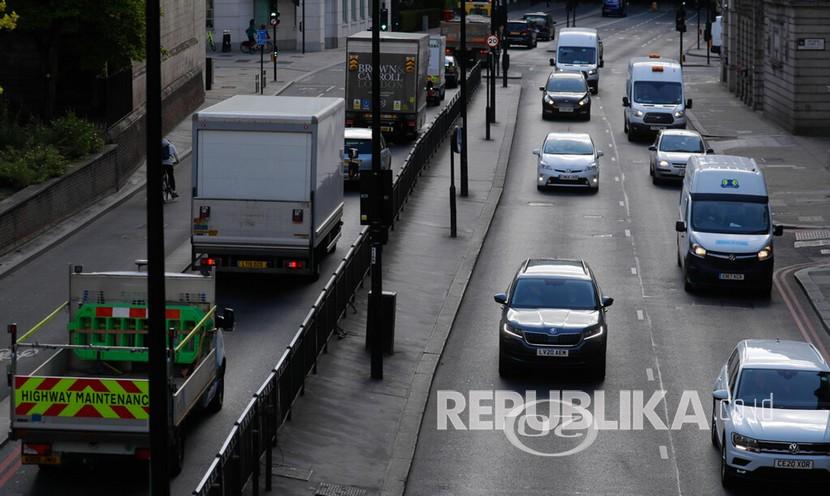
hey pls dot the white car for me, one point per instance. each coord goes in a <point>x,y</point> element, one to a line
<point>569,160</point>
<point>771,411</point>
<point>671,151</point>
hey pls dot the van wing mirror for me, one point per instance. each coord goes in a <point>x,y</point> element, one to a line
<point>536,152</point>
<point>607,302</point>
<point>226,321</point>
<point>541,88</point>
<point>710,151</point>
<point>600,154</point>
<point>626,102</point>
<point>777,230</point>
<point>552,61</point>
<point>652,148</point>
<point>500,298</point>
<point>689,103</point>
<point>680,226</point>
<point>720,394</point>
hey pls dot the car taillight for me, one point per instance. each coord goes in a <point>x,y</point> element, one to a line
<point>349,122</point>
<point>142,454</point>
<point>37,449</point>
<point>293,264</point>
<point>209,262</point>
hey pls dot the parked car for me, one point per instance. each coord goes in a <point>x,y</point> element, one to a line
<point>553,315</point>
<point>361,139</point>
<point>566,93</point>
<point>770,412</point>
<point>520,32</point>
<point>545,24</point>
<point>568,160</point>
<point>450,71</point>
<point>671,151</point>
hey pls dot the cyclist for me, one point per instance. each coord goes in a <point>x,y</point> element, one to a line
<point>251,32</point>
<point>169,157</point>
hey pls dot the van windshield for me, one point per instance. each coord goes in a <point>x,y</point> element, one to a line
<point>658,92</point>
<point>577,55</point>
<point>730,217</point>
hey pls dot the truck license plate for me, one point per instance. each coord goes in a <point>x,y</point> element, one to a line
<point>40,459</point>
<point>252,264</point>
<point>723,276</point>
<point>794,464</point>
<point>386,129</point>
<point>552,352</point>
<point>657,128</point>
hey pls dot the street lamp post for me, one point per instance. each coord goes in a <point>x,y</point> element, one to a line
<point>464,55</point>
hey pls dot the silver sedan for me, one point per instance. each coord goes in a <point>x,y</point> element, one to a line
<point>670,152</point>
<point>568,160</point>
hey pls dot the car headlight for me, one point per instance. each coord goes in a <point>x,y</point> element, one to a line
<point>548,99</point>
<point>508,329</point>
<point>592,72</point>
<point>663,163</point>
<point>765,253</point>
<point>584,101</point>
<point>544,166</point>
<point>679,113</point>
<point>593,331</point>
<point>592,166</point>
<point>698,250</point>
<point>744,443</point>
<point>638,113</point>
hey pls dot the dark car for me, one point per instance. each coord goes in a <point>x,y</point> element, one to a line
<point>553,315</point>
<point>545,25</point>
<point>520,32</point>
<point>450,72</point>
<point>566,93</point>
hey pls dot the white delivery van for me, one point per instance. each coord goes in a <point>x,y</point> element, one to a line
<point>580,49</point>
<point>654,96</point>
<point>725,229</point>
<point>717,34</point>
<point>436,84</point>
<point>267,183</point>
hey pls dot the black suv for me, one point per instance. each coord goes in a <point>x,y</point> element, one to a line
<point>553,315</point>
<point>520,32</point>
<point>544,23</point>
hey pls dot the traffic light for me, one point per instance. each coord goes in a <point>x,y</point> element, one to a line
<point>680,20</point>
<point>384,18</point>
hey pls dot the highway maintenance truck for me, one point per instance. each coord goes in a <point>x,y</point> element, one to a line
<point>90,398</point>
<point>403,81</point>
<point>267,184</point>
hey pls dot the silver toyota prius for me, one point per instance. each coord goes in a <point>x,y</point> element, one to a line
<point>568,160</point>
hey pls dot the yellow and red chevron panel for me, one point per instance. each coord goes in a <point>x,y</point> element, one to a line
<point>39,396</point>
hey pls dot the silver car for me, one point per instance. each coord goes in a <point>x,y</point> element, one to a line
<point>361,139</point>
<point>671,150</point>
<point>569,160</point>
<point>771,411</point>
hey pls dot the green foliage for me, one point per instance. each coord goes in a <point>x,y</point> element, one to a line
<point>75,137</point>
<point>36,164</point>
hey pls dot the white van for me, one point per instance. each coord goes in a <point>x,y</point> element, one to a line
<point>580,49</point>
<point>717,34</point>
<point>653,96</point>
<point>725,229</point>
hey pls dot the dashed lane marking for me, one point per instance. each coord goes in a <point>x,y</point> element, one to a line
<point>650,374</point>
<point>640,316</point>
<point>664,452</point>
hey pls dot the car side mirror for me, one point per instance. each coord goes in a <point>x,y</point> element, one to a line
<point>536,152</point>
<point>607,302</point>
<point>600,154</point>
<point>709,151</point>
<point>626,102</point>
<point>226,321</point>
<point>552,61</point>
<point>689,103</point>
<point>500,298</point>
<point>720,394</point>
<point>652,148</point>
<point>541,88</point>
<point>777,230</point>
<point>680,226</point>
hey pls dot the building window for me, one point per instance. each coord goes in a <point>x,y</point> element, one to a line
<point>354,10</point>
<point>209,14</point>
<point>345,7</point>
<point>363,9</point>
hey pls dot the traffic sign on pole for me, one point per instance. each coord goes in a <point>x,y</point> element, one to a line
<point>274,21</point>
<point>492,41</point>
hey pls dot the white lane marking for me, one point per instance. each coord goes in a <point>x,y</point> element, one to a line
<point>613,159</point>
<point>616,178</point>
<point>321,94</point>
<point>634,273</point>
<point>627,233</point>
<point>650,374</point>
<point>810,218</point>
<point>610,145</point>
<point>640,316</point>
<point>825,252</point>
<point>330,88</point>
<point>664,453</point>
<point>622,203</point>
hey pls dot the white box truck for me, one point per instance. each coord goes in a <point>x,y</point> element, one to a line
<point>267,185</point>
<point>436,84</point>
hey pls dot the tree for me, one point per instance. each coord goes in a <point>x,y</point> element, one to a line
<point>7,21</point>
<point>109,35</point>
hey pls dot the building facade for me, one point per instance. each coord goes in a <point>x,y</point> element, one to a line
<point>327,22</point>
<point>777,60</point>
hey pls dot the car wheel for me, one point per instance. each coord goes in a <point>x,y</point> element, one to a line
<point>540,188</point>
<point>599,373</point>
<point>677,254</point>
<point>714,437</point>
<point>505,367</point>
<point>687,285</point>
<point>632,136</point>
<point>625,126</point>
<point>654,179</point>
<point>588,116</point>
<point>727,478</point>
<point>177,452</point>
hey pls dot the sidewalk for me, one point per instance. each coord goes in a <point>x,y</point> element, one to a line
<point>354,435</point>
<point>797,170</point>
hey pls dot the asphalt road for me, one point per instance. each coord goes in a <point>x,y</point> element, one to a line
<point>660,337</point>
<point>269,312</point>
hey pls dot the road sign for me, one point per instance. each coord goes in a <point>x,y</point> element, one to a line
<point>261,36</point>
<point>274,21</point>
<point>492,41</point>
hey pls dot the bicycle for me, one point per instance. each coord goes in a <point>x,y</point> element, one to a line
<point>166,189</point>
<point>210,43</point>
<point>248,47</point>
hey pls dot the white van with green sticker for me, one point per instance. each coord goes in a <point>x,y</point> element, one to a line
<point>725,229</point>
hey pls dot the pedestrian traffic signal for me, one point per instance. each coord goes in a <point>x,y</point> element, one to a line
<point>384,19</point>
<point>680,20</point>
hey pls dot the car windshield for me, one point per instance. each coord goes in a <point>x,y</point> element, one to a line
<point>577,55</point>
<point>658,92</point>
<point>575,294</point>
<point>364,147</point>
<point>785,389</point>
<point>730,217</point>
<point>517,26</point>
<point>536,19</point>
<point>568,146</point>
<point>566,85</point>
<point>690,144</point>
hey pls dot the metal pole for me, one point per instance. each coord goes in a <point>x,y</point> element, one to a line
<point>275,53</point>
<point>262,68</point>
<point>464,191</point>
<point>698,25</point>
<point>375,319</point>
<point>491,82</point>
<point>487,110</point>
<point>453,221</point>
<point>156,337</point>
<point>302,24</point>
<point>681,49</point>
<point>709,23</point>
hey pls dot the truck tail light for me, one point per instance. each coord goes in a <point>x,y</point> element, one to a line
<point>293,264</point>
<point>209,262</point>
<point>41,449</point>
<point>349,122</point>
<point>142,454</point>
<point>411,123</point>
<point>297,216</point>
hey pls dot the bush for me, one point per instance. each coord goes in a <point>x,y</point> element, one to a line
<point>34,165</point>
<point>75,137</point>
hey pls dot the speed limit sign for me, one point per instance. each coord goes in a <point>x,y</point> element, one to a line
<point>492,41</point>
